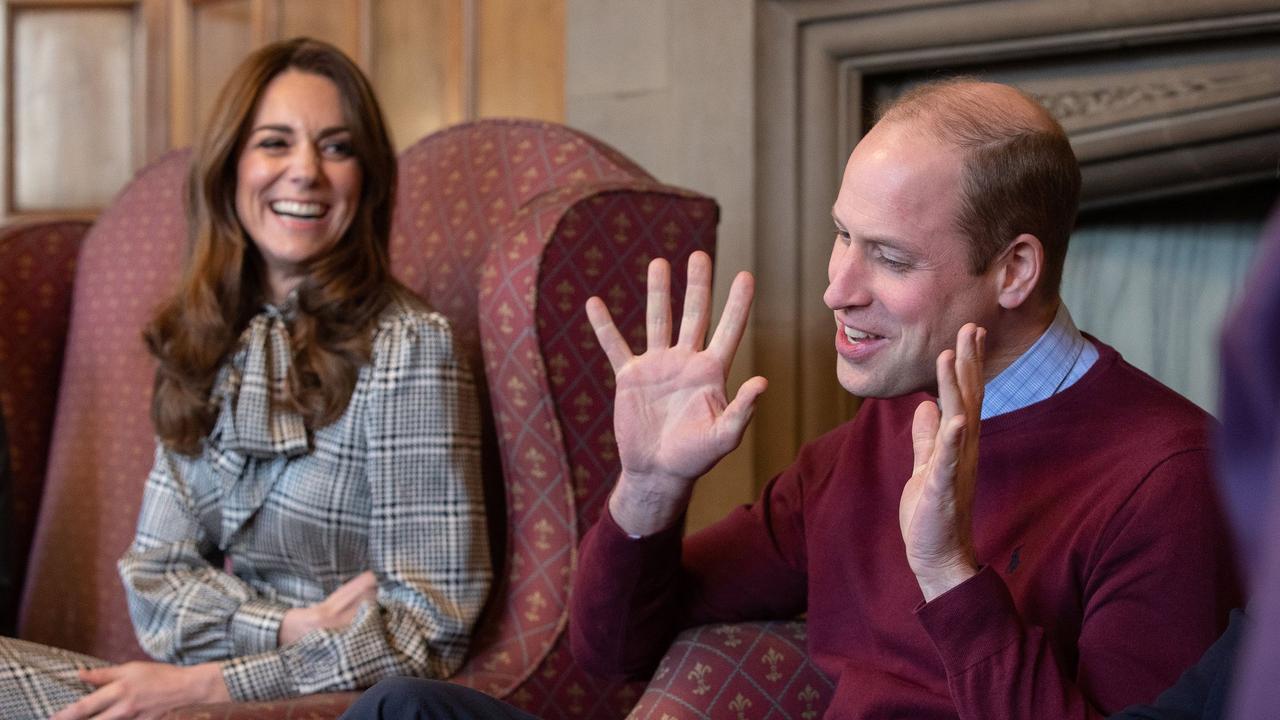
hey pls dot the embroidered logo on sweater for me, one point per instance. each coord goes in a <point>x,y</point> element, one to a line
<point>1014,560</point>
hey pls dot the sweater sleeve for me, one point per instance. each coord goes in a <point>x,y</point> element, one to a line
<point>1201,692</point>
<point>184,609</point>
<point>427,541</point>
<point>1147,611</point>
<point>632,595</point>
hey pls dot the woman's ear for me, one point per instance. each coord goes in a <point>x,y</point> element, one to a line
<point>1018,270</point>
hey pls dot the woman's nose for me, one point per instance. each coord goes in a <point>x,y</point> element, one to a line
<point>304,169</point>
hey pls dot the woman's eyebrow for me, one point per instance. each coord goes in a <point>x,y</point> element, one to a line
<point>276,128</point>
<point>287,129</point>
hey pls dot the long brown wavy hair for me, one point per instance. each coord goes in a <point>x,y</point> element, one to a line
<point>223,284</point>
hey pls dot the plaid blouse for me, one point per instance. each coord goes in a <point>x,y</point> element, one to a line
<point>392,486</point>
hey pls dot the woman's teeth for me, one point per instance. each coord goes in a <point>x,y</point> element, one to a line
<point>299,209</point>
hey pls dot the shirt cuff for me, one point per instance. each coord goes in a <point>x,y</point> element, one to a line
<point>258,677</point>
<point>255,626</point>
<point>617,539</point>
<point>972,621</point>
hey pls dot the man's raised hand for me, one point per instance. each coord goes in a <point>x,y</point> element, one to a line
<point>936,510</point>
<point>672,417</point>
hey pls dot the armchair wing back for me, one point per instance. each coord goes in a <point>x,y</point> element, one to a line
<point>102,442</point>
<point>35,305</point>
<point>508,227</point>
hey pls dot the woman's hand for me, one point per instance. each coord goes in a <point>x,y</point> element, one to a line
<point>334,612</point>
<point>145,690</point>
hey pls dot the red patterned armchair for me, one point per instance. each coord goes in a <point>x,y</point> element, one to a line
<point>505,226</point>
<point>737,670</point>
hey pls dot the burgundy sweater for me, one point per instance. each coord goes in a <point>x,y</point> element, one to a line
<point>1107,563</point>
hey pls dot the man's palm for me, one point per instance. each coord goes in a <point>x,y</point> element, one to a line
<point>672,417</point>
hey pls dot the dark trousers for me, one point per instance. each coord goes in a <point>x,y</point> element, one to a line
<point>417,699</point>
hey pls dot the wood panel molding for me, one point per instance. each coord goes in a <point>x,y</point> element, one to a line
<point>63,64</point>
<point>432,62</point>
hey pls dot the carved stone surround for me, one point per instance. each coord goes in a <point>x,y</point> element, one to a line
<point>1159,98</point>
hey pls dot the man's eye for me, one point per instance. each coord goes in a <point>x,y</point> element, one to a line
<point>892,263</point>
<point>842,237</point>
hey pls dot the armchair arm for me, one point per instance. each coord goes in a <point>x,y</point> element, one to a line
<point>760,669</point>
<point>323,705</point>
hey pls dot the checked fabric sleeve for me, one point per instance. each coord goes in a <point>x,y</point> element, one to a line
<point>393,486</point>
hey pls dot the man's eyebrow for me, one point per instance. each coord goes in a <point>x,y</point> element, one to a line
<point>887,241</point>
<point>874,239</point>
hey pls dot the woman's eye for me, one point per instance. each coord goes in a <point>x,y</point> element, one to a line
<point>273,143</point>
<point>342,149</point>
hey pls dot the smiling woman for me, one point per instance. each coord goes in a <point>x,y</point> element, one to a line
<point>313,520</point>
<point>298,180</point>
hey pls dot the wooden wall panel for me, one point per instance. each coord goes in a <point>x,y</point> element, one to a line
<point>418,65</point>
<point>336,21</point>
<point>148,73</point>
<point>221,35</point>
<point>67,66</point>
<point>520,58</point>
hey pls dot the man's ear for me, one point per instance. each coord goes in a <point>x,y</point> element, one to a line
<point>1018,271</point>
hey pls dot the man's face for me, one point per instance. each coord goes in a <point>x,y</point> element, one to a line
<point>900,281</point>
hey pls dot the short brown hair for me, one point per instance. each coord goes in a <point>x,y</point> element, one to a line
<point>339,300</point>
<point>1020,174</point>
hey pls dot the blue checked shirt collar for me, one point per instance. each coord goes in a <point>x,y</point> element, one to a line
<point>1054,363</point>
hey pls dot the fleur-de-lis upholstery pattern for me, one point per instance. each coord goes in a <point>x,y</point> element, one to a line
<point>35,306</point>
<point>505,226</point>
<point>102,443</point>
<point>523,222</point>
<point>757,671</point>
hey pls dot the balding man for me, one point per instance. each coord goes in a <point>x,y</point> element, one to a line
<point>1080,569</point>
<point>1076,567</point>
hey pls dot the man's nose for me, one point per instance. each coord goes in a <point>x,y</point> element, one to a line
<point>847,276</point>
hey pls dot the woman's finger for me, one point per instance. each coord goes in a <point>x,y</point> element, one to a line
<point>100,675</point>
<point>89,705</point>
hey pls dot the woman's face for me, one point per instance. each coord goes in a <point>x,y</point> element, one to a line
<point>297,179</point>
